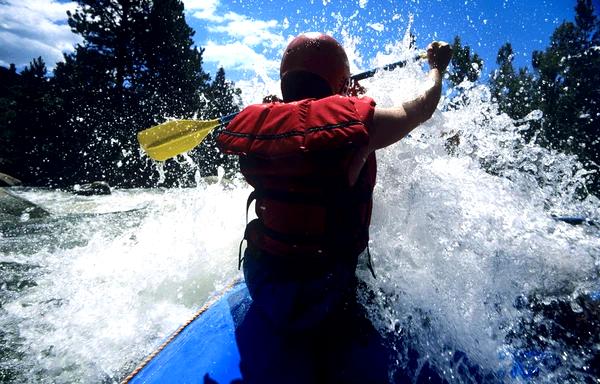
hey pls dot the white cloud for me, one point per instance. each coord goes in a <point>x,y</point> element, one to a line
<point>238,56</point>
<point>200,5</point>
<point>251,32</point>
<point>239,43</point>
<point>32,28</point>
<point>203,9</point>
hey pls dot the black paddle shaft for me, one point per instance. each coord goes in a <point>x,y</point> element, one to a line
<point>388,67</point>
<point>359,76</point>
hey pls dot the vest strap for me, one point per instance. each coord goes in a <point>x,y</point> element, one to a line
<point>332,199</point>
<point>287,237</point>
<point>240,258</point>
<point>251,198</point>
<point>253,195</point>
<point>370,263</point>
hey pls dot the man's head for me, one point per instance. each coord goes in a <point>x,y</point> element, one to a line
<point>314,65</point>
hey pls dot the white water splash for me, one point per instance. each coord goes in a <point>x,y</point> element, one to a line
<point>103,304</point>
<point>461,229</point>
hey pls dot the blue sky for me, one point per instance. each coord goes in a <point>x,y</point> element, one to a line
<point>247,36</point>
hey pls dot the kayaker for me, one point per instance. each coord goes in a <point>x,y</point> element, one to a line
<point>311,161</point>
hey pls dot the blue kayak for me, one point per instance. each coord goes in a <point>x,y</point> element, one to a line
<point>202,349</point>
<point>228,339</point>
<point>227,335</point>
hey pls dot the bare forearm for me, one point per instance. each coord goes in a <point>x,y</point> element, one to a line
<point>392,124</point>
<point>421,109</point>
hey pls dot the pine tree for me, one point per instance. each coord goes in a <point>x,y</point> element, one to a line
<point>33,121</point>
<point>512,90</point>
<point>136,67</point>
<point>171,80</point>
<point>568,74</point>
<point>9,89</point>
<point>465,66</point>
<point>221,99</point>
<point>26,108</point>
<point>94,83</point>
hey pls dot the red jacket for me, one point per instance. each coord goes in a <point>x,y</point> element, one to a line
<point>296,156</point>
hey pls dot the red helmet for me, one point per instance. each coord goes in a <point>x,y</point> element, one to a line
<point>319,54</point>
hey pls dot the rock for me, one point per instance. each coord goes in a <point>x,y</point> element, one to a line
<point>92,189</point>
<point>13,205</point>
<point>8,181</point>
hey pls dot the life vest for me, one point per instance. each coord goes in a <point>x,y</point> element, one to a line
<point>296,156</point>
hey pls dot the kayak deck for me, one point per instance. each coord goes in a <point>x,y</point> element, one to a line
<point>228,337</point>
<point>204,348</point>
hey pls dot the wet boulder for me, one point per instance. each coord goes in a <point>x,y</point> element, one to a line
<point>8,181</point>
<point>12,205</point>
<point>92,189</point>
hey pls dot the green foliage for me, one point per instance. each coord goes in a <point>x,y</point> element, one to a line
<point>465,66</point>
<point>35,105</point>
<point>221,98</point>
<point>565,86</point>
<point>26,106</point>
<point>136,67</point>
<point>569,81</point>
<point>514,91</point>
<point>9,88</point>
<point>169,75</point>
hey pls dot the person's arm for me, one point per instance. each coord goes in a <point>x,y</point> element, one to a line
<point>392,124</point>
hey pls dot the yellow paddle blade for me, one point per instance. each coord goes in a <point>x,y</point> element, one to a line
<point>174,137</point>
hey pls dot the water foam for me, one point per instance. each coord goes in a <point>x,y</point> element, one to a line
<point>102,305</point>
<point>462,228</point>
<point>461,231</point>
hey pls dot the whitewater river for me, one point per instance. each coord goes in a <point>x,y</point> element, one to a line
<point>472,270</point>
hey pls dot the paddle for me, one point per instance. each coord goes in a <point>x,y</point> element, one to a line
<point>172,138</point>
